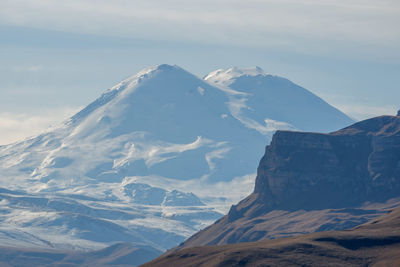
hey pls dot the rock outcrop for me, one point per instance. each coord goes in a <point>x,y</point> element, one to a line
<point>310,182</point>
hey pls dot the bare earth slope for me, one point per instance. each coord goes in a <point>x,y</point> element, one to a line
<point>310,182</point>
<point>376,243</point>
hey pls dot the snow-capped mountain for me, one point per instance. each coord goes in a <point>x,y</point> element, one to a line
<point>154,159</point>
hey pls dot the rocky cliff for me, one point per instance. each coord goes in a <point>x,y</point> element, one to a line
<point>310,182</point>
<point>344,168</point>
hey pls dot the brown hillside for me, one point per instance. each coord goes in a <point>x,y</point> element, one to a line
<point>376,243</point>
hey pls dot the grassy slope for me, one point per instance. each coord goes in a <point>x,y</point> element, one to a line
<point>376,243</point>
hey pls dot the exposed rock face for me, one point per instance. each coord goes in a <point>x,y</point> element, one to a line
<point>310,182</point>
<point>345,168</point>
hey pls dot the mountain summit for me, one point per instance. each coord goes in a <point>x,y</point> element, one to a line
<point>286,101</point>
<point>154,159</point>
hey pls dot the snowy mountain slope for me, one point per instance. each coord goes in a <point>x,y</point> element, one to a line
<point>271,102</point>
<point>154,159</point>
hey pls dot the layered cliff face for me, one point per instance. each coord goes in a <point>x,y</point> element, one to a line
<point>344,168</point>
<point>309,182</point>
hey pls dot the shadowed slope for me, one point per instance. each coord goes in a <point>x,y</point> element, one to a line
<point>376,243</point>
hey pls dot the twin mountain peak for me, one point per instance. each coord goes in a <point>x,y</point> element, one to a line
<point>163,131</point>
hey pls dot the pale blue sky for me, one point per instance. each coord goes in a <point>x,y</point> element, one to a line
<point>58,56</point>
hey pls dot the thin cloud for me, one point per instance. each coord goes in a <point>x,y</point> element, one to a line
<point>28,68</point>
<point>252,22</point>
<point>18,126</point>
<point>362,112</point>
